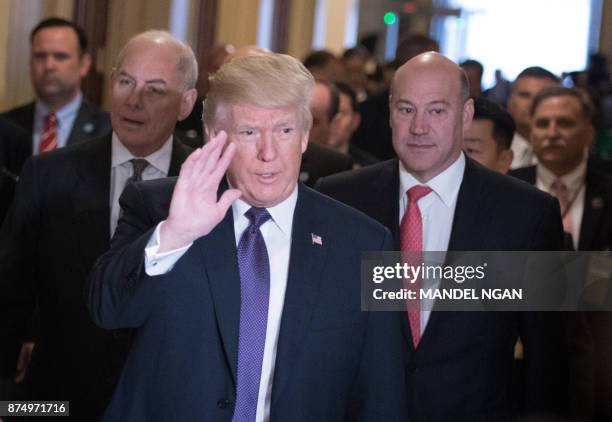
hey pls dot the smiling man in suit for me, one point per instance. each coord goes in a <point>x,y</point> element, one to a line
<point>64,213</point>
<point>60,115</point>
<point>562,131</point>
<point>459,363</point>
<point>245,291</point>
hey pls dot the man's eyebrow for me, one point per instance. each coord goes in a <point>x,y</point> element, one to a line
<point>477,140</point>
<point>434,102</point>
<point>150,81</point>
<point>404,101</point>
<point>156,81</point>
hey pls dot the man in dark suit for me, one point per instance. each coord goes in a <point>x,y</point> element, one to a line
<point>13,152</point>
<point>459,363</point>
<point>250,313</point>
<point>65,211</point>
<point>60,115</point>
<point>562,131</point>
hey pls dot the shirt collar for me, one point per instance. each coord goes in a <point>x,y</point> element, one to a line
<point>445,185</point>
<point>160,159</point>
<point>62,113</point>
<point>282,214</point>
<point>572,180</point>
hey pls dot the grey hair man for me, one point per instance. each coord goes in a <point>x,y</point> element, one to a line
<point>65,211</point>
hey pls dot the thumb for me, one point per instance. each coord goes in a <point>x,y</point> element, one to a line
<point>228,198</point>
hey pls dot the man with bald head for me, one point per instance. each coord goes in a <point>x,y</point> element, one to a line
<point>460,363</point>
<point>65,212</point>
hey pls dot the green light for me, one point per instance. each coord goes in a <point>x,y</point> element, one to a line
<point>390,18</point>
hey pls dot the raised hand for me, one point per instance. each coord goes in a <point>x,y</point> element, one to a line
<point>194,210</point>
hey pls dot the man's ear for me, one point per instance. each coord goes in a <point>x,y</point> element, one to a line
<point>304,141</point>
<point>504,160</point>
<point>188,99</point>
<point>468,114</point>
<point>85,64</point>
<point>355,121</point>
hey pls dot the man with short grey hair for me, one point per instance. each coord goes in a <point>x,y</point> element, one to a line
<point>65,211</point>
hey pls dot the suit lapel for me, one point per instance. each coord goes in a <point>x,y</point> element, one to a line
<point>218,250</point>
<point>385,211</point>
<point>91,199</point>
<point>180,152</point>
<point>306,263</point>
<point>593,208</point>
<point>469,212</point>
<point>469,217</point>
<point>86,124</point>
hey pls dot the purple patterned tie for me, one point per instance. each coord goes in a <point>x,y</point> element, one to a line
<point>254,296</point>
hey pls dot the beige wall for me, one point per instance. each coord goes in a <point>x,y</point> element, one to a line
<point>17,18</point>
<point>605,37</point>
<point>126,19</point>
<point>237,22</point>
<point>301,20</point>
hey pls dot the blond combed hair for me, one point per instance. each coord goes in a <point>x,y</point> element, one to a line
<point>267,80</point>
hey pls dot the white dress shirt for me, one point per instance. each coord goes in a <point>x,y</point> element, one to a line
<point>523,152</point>
<point>122,170</point>
<point>437,211</point>
<point>277,236</point>
<point>65,120</point>
<point>576,189</point>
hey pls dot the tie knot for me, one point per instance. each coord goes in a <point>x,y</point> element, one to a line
<point>258,216</point>
<point>139,165</point>
<point>558,186</point>
<point>417,192</point>
<point>50,119</point>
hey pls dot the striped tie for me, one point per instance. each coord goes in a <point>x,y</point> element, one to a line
<point>48,139</point>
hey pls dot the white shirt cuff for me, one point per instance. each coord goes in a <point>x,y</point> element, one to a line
<point>158,264</point>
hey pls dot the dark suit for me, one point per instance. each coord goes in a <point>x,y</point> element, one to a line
<point>596,225</point>
<point>595,235</point>
<point>14,149</point>
<point>89,123</point>
<point>318,161</point>
<point>462,368</point>
<point>333,362</point>
<point>374,133</point>
<point>59,225</point>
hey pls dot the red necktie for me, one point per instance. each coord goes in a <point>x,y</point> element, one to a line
<point>48,139</point>
<point>411,240</point>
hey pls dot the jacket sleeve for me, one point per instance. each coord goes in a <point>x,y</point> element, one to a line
<point>19,284</point>
<point>119,293</point>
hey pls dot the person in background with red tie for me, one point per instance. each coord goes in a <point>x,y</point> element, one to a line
<point>59,115</point>
<point>460,364</point>
<point>65,211</point>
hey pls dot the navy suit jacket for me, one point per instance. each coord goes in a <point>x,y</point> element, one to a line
<point>89,123</point>
<point>333,362</point>
<point>462,368</point>
<point>596,225</point>
<point>57,228</point>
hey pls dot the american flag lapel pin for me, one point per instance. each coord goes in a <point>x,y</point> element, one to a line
<point>316,239</point>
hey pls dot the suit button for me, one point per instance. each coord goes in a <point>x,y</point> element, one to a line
<point>223,403</point>
<point>412,368</point>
